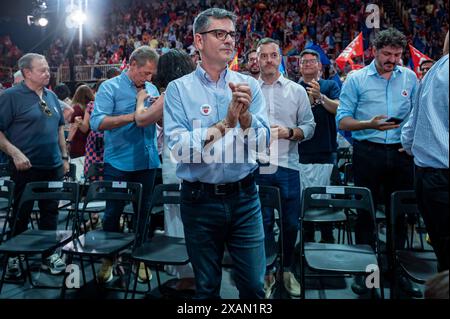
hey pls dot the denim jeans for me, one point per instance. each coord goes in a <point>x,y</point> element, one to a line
<point>114,209</point>
<point>211,222</point>
<point>288,181</point>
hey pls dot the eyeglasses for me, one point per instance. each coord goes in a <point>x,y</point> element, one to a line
<point>45,108</point>
<point>305,62</point>
<point>222,34</point>
<point>265,56</point>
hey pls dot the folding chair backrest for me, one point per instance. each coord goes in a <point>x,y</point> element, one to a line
<point>114,191</point>
<point>51,191</point>
<point>353,198</point>
<point>160,197</point>
<point>402,202</point>
<point>269,197</point>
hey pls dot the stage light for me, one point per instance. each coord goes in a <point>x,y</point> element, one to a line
<point>78,17</point>
<point>42,22</point>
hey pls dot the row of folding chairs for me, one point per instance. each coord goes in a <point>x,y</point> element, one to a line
<point>162,250</point>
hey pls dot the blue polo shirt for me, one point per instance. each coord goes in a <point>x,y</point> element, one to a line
<point>127,148</point>
<point>28,128</point>
<point>324,139</point>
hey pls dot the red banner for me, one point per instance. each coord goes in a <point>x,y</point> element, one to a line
<point>417,57</point>
<point>355,48</point>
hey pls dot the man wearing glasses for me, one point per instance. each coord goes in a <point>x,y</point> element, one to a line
<point>207,112</point>
<point>32,135</point>
<point>292,122</point>
<point>322,147</point>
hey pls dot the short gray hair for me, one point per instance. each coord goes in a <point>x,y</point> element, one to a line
<point>201,22</point>
<point>144,54</point>
<point>26,61</point>
<point>17,74</point>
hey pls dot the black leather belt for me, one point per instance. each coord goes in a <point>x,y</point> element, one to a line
<point>380,145</point>
<point>222,189</point>
<point>432,169</point>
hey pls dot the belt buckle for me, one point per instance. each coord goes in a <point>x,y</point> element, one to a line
<point>217,190</point>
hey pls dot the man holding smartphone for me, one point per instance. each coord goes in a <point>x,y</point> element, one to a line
<point>369,96</point>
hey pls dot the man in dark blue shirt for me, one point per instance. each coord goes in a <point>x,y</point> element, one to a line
<point>321,149</point>
<point>32,135</point>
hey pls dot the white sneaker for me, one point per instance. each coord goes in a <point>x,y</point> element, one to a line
<point>291,284</point>
<point>54,264</point>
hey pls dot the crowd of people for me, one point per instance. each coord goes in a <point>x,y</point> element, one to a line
<point>206,111</point>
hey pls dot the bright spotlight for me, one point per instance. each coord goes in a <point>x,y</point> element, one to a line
<point>78,17</point>
<point>42,22</point>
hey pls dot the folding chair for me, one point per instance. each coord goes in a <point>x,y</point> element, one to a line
<point>338,258</point>
<point>327,215</point>
<point>5,170</point>
<point>35,241</point>
<point>6,199</point>
<point>98,243</point>
<point>418,264</point>
<point>160,250</point>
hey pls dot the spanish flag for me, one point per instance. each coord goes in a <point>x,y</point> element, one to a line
<point>234,64</point>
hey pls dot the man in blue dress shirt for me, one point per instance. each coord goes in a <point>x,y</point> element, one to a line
<point>131,153</point>
<point>370,96</point>
<point>426,137</point>
<point>210,116</point>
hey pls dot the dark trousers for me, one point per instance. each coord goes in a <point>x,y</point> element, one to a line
<point>114,209</point>
<point>432,197</point>
<point>384,170</point>
<point>48,209</point>
<point>211,222</point>
<point>288,182</point>
<point>326,230</point>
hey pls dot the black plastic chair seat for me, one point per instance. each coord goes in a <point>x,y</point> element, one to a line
<point>95,207</point>
<point>99,243</point>
<point>163,250</point>
<point>324,215</point>
<point>339,258</point>
<point>418,265</point>
<point>36,241</point>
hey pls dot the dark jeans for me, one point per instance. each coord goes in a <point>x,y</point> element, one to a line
<point>211,222</point>
<point>432,197</point>
<point>288,181</point>
<point>48,209</point>
<point>326,230</point>
<point>381,165</point>
<point>114,209</point>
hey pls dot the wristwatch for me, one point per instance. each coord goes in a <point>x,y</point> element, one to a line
<point>65,158</point>
<point>320,101</point>
<point>291,133</point>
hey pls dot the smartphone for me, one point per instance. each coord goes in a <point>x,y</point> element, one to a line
<point>395,120</point>
<point>149,101</point>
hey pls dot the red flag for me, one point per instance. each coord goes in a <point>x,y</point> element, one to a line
<point>234,64</point>
<point>124,64</point>
<point>355,48</point>
<point>417,57</point>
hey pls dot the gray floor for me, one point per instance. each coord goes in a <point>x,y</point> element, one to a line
<point>324,288</point>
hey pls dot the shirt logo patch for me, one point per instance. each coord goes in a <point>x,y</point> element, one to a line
<point>405,93</point>
<point>205,109</point>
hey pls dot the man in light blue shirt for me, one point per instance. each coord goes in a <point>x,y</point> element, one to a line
<point>426,137</point>
<point>131,153</point>
<point>373,103</point>
<point>213,120</point>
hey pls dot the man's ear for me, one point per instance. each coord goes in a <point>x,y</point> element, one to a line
<point>198,41</point>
